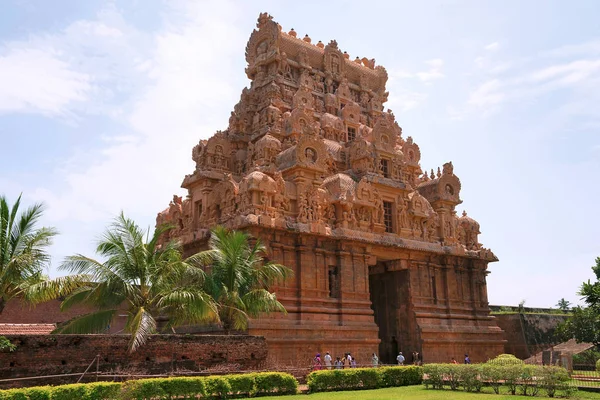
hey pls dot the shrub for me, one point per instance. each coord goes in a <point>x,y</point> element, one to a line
<point>528,381</point>
<point>38,393</point>
<point>598,365</point>
<point>493,375</point>
<point>434,375</point>
<point>363,378</point>
<point>14,394</point>
<point>451,375</point>
<point>400,376</point>
<point>6,345</point>
<point>243,384</point>
<point>77,391</point>
<point>275,382</point>
<point>217,386</point>
<point>554,379</point>
<point>512,376</point>
<point>103,391</point>
<point>182,386</point>
<point>469,376</point>
<point>143,389</point>
<point>505,360</point>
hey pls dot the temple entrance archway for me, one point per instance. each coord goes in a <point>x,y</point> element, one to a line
<point>389,292</point>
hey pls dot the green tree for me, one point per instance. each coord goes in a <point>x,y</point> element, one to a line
<point>563,305</point>
<point>149,280</point>
<point>23,248</point>
<point>239,279</point>
<point>584,324</point>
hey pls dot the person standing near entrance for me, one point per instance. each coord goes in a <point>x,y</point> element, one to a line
<point>375,360</point>
<point>327,359</point>
<point>400,359</point>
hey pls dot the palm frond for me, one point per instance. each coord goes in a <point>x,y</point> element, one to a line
<point>77,297</point>
<point>95,322</point>
<point>140,325</point>
<point>188,306</point>
<point>262,301</point>
<point>51,289</point>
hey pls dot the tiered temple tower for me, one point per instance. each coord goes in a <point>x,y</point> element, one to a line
<point>313,165</point>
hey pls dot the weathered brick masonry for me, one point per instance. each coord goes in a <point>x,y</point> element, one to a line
<point>64,354</point>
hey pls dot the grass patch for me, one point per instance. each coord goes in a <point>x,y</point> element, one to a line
<point>417,393</point>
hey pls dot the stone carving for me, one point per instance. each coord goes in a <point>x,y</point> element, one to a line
<point>312,164</point>
<point>277,132</point>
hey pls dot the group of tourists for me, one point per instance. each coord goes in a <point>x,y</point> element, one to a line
<point>467,360</point>
<point>347,361</point>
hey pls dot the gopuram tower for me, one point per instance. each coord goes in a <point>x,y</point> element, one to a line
<point>312,165</point>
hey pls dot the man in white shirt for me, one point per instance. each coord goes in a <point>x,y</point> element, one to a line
<point>400,359</point>
<point>327,360</point>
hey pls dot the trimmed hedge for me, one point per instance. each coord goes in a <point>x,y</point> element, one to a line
<point>222,387</point>
<point>78,391</point>
<point>363,378</point>
<point>518,378</point>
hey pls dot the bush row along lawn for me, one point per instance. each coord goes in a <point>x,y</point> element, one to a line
<point>419,393</point>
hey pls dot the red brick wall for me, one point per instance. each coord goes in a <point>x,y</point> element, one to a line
<point>62,354</point>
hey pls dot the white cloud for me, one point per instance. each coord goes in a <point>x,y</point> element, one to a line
<point>487,94</point>
<point>434,72</point>
<point>492,46</point>
<point>36,80</point>
<point>183,86</point>
<point>531,78</point>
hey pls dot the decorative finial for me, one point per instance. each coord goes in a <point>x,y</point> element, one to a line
<point>263,19</point>
<point>346,55</point>
<point>292,32</point>
<point>439,173</point>
<point>320,45</point>
<point>306,39</point>
<point>432,174</point>
<point>464,213</point>
<point>357,60</point>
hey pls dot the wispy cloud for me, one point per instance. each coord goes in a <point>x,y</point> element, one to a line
<point>37,80</point>
<point>531,78</point>
<point>433,73</point>
<point>491,46</point>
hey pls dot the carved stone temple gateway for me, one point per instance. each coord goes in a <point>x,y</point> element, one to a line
<point>312,165</point>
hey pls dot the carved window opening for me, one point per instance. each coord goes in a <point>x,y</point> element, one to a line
<point>333,281</point>
<point>385,167</point>
<point>351,133</point>
<point>387,216</point>
<point>434,290</point>
<point>199,209</point>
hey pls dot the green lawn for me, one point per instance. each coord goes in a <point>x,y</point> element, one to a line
<point>418,393</point>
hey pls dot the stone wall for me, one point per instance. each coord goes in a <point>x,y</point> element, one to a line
<point>65,354</point>
<point>528,334</point>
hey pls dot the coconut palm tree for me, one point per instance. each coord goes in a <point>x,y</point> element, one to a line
<point>23,246</point>
<point>239,279</point>
<point>147,279</point>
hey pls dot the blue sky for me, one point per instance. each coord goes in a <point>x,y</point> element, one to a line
<point>101,103</point>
